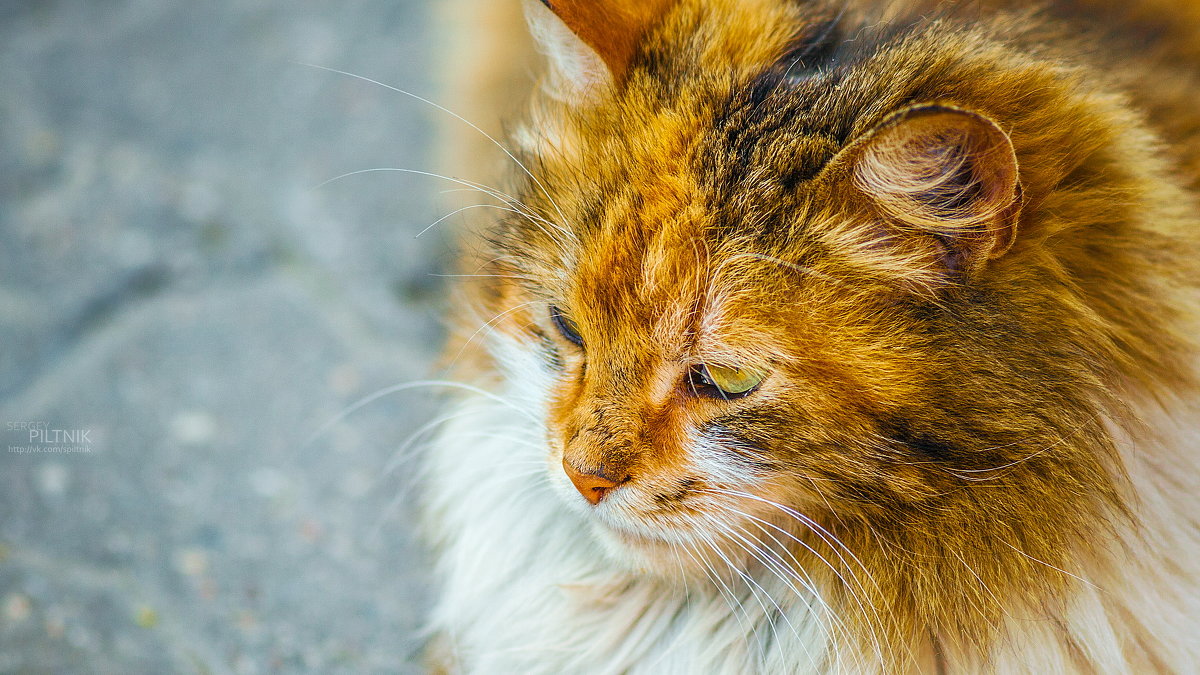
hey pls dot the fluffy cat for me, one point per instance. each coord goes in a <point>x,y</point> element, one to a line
<point>846,337</point>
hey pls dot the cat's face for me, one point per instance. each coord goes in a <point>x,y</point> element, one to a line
<point>715,359</point>
<point>838,295</point>
<point>703,386</point>
<point>768,291</point>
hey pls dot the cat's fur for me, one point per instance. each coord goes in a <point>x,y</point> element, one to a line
<point>963,241</point>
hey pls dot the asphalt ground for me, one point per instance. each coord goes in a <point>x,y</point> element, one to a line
<point>185,302</point>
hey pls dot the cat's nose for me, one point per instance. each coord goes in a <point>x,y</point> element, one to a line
<point>593,484</point>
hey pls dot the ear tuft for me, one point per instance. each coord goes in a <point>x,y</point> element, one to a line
<point>575,68</point>
<point>589,43</point>
<point>947,172</point>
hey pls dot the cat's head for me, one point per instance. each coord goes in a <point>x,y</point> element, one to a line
<point>791,273</point>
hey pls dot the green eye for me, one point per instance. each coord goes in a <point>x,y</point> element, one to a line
<point>724,381</point>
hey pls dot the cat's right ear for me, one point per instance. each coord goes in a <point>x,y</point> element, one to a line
<point>947,174</point>
<point>589,43</point>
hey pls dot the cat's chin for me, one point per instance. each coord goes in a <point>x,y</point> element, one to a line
<point>640,554</point>
<point>674,561</point>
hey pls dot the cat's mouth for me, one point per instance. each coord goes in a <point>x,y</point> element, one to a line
<point>621,524</point>
<point>665,526</point>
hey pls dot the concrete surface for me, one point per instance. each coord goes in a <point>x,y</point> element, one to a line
<point>182,307</point>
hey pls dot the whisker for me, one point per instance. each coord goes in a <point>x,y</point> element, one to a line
<point>687,595</point>
<point>487,326</point>
<point>1043,562</point>
<point>751,585</point>
<point>755,548</point>
<point>401,496</point>
<point>506,198</point>
<point>835,544</point>
<point>462,119</point>
<point>974,602</point>
<point>794,571</point>
<point>722,589</point>
<point>465,208</point>
<point>825,535</point>
<point>486,276</point>
<point>408,450</point>
<point>808,583</point>
<point>388,391</point>
<point>402,453</point>
<point>1048,448</point>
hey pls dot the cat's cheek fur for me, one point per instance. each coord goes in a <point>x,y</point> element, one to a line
<point>528,374</point>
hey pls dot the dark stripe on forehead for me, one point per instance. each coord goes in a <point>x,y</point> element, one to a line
<point>760,117</point>
<point>815,46</point>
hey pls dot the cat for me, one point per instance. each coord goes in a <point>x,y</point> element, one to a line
<point>832,337</point>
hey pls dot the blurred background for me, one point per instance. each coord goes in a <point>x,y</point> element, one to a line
<point>184,303</point>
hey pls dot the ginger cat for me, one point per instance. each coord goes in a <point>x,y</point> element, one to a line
<point>828,337</point>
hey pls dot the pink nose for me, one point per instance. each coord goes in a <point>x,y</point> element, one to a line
<point>593,485</point>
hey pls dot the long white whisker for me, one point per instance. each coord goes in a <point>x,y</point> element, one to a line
<point>759,522</point>
<point>723,590</point>
<point>794,571</point>
<point>982,584</point>
<point>759,551</point>
<point>460,118</point>
<point>387,391</point>
<point>751,585</point>
<point>406,451</point>
<point>465,208</point>
<point>402,453</point>
<point>1048,448</point>
<point>401,496</point>
<point>487,326</point>
<point>1043,562</point>
<point>508,199</point>
<point>816,527</point>
<point>835,544</point>
<point>687,594</point>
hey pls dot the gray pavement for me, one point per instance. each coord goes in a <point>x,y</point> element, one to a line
<point>182,307</point>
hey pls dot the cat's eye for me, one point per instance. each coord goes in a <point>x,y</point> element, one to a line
<point>725,381</point>
<point>566,327</point>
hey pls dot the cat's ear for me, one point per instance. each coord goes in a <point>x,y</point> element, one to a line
<point>947,173</point>
<point>589,43</point>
